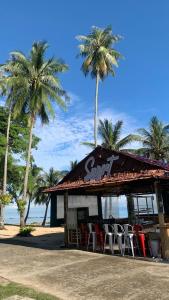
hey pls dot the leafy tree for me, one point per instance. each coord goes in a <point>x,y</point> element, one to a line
<point>155,140</point>
<point>17,144</point>
<point>18,135</point>
<point>47,180</point>
<point>99,59</point>
<point>37,86</point>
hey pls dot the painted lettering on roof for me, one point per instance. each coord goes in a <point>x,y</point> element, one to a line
<point>99,171</point>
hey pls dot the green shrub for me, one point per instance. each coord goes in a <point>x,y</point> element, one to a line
<point>5,199</point>
<point>21,205</point>
<point>26,231</point>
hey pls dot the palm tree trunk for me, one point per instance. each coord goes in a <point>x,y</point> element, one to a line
<point>1,217</point>
<point>22,221</point>
<point>46,211</point>
<point>28,161</point>
<point>96,110</point>
<point>28,210</point>
<point>5,169</point>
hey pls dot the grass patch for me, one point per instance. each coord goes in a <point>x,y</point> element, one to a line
<point>12,289</point>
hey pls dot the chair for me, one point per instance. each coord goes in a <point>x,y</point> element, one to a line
<point>91,236</point>
<point>119,236</point>
<point>108,234</point>
<point>128,237</point>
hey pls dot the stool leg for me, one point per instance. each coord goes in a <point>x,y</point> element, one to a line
<point>105,242</point>
<point>142,242</point>
<point>88,242</point>
<point>111,243</point>
<point>119,238</point>
<point>131,243</point>
<point>94,241</point>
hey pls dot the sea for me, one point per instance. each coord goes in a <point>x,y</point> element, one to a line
<point>11,215</point>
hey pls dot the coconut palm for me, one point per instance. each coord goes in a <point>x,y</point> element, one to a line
<point>33,186</point>
<point>111,136</point>
<point>155,140</point>
<point>37,86</point>
<point>47,179</point>
<point>73,164</point>
<point>99,59</point>
<point>9,103</point>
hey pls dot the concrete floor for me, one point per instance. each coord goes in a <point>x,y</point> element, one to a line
<point>73,274</point>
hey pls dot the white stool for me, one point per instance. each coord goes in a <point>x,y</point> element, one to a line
<point>108,234</point>
<point>128,237</point>
<point>92,235</point>
<point>118,235</point>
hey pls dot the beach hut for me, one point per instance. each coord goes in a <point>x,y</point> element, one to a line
<point>105,173</point>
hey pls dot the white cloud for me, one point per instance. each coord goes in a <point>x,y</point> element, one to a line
<point>61,139</point>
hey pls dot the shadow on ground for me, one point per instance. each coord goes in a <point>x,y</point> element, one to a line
<point>52,241</point>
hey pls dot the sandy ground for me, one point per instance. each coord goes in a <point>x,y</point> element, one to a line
<point>11,231</point>
<point>40,262</point>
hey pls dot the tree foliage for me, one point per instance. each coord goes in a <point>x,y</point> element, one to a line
<point>97,49</point>
<point>19,134</point>
<point>155,140</point>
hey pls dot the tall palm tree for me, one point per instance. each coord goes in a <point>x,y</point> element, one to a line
<point>111,136</point>
<point>37,85</point>
<point>47,179</point>
<point>155,140</point>
<point>9,104</point>
<point>99,59</point>
<point>32,187</point>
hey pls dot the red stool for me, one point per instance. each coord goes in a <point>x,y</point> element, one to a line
<point>83,234</point>
<point>99,236</point>
<point>141,237</point>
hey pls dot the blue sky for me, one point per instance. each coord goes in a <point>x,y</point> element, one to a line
<point>140,88</point>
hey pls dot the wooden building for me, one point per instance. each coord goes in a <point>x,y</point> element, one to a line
<point>105,172</point>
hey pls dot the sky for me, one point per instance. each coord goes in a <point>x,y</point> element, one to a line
<point>140,88</point>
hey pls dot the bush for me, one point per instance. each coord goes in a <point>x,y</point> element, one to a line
<point>26,231</point>
<point>21,206</point>
<point>5,199</point>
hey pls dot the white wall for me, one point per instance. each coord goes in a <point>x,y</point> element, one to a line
<point>76,202</point>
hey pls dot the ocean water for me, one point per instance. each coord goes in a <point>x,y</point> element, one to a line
<point>36,214</point>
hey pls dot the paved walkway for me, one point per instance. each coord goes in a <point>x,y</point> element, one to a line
<point>73,274</point>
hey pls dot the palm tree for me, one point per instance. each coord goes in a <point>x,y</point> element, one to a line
<point>111,136</point>
<point>33,186</point>
<point>100,58</point>
<point>9,104</point>
<point>37,85</point>
<point>155,140</point>
<point>47,180</point>
<point>73,164</point>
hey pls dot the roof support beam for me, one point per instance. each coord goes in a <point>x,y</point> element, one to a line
<point>65,218</point>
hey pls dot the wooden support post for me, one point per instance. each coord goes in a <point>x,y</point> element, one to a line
<point>164,228</point>
<point>65,218</point>
<point>99,205</point>
<point>130,208</point>
<point>159,203</point>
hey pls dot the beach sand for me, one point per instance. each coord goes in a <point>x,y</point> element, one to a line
<point>11,231</point>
